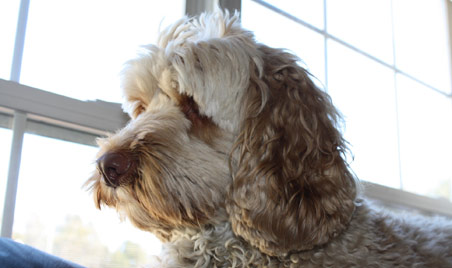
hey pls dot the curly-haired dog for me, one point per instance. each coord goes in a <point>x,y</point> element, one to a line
<point>233,158</point>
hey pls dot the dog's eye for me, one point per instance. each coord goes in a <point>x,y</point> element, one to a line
<point>191,110</point>
<point>201,125</point>
<point>138,110</point>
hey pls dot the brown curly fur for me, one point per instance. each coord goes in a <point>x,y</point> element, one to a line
<point>237,161</point>
<point>291,154</point>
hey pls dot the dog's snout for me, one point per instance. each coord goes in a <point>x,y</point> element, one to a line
<point>114,168</point>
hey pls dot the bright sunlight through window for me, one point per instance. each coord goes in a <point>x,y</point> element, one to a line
<point>77,49</point>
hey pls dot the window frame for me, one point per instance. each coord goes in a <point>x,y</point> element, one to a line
<point>391,197</point>
<point>98,117</point>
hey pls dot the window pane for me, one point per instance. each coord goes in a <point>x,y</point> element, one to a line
<point>77,48</point>
<point>5,144</point>
<point>421,41</point>
<point>365,24</point>
<point>277,31</point>
<point>363,90</point>
<point>54,214</point>
<point>310,11</point>
<point>9,11</point>
<point>425,118</point>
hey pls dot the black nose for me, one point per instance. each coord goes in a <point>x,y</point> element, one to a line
<point>114,168</point>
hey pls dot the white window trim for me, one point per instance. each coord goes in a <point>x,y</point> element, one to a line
<point>90,116</point>
<point>396,198</point>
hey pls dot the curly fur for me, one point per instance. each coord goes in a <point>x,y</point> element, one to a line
<point>237,161</point>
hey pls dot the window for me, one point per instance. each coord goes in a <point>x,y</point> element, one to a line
<point>359,94</point>
<point>310,11</point>
<point>53,213</point>
<point>365,24</point>
<point>425,139</point>
<point>267,26</point>
<point>421,42</point>
<point>77,50</point>
<point>386,65</point>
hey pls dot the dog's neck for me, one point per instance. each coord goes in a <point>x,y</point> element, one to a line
<point>218,246</point>
<point>210,246</point>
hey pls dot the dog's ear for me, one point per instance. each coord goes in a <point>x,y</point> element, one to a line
<point>209,59</point>
<point>292,189</point>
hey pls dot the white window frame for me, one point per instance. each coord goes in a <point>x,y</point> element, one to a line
<point>26,103</point>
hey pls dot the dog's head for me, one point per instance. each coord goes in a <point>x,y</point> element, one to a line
<point>223,128</point>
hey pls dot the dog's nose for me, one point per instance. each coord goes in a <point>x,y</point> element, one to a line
<point>114,168</point>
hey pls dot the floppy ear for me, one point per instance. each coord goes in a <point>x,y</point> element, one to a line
<point>210,58</point>
<point>292,189</point>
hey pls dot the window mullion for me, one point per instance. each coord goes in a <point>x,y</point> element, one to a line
<point>196,7</point>
<point>449,24</point>
<point>19,124</point>
<point>20,40</point>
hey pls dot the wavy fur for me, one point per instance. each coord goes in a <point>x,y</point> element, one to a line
<point>291,154</point>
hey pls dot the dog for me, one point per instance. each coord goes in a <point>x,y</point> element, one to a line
<point>233,158</point>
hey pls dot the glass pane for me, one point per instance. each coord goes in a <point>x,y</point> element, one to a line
<point>76,48</point>
<point>310,11</point>
<point>422,42</point>
<point>54,214</point>
<point>267,26</point>
<point>365,24</point>
<point>425,118</point>
<point>363,91</point>
<point>9,11</point>
<point>5,143</point>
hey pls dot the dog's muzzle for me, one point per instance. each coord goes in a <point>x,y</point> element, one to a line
<point>115,168</point>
